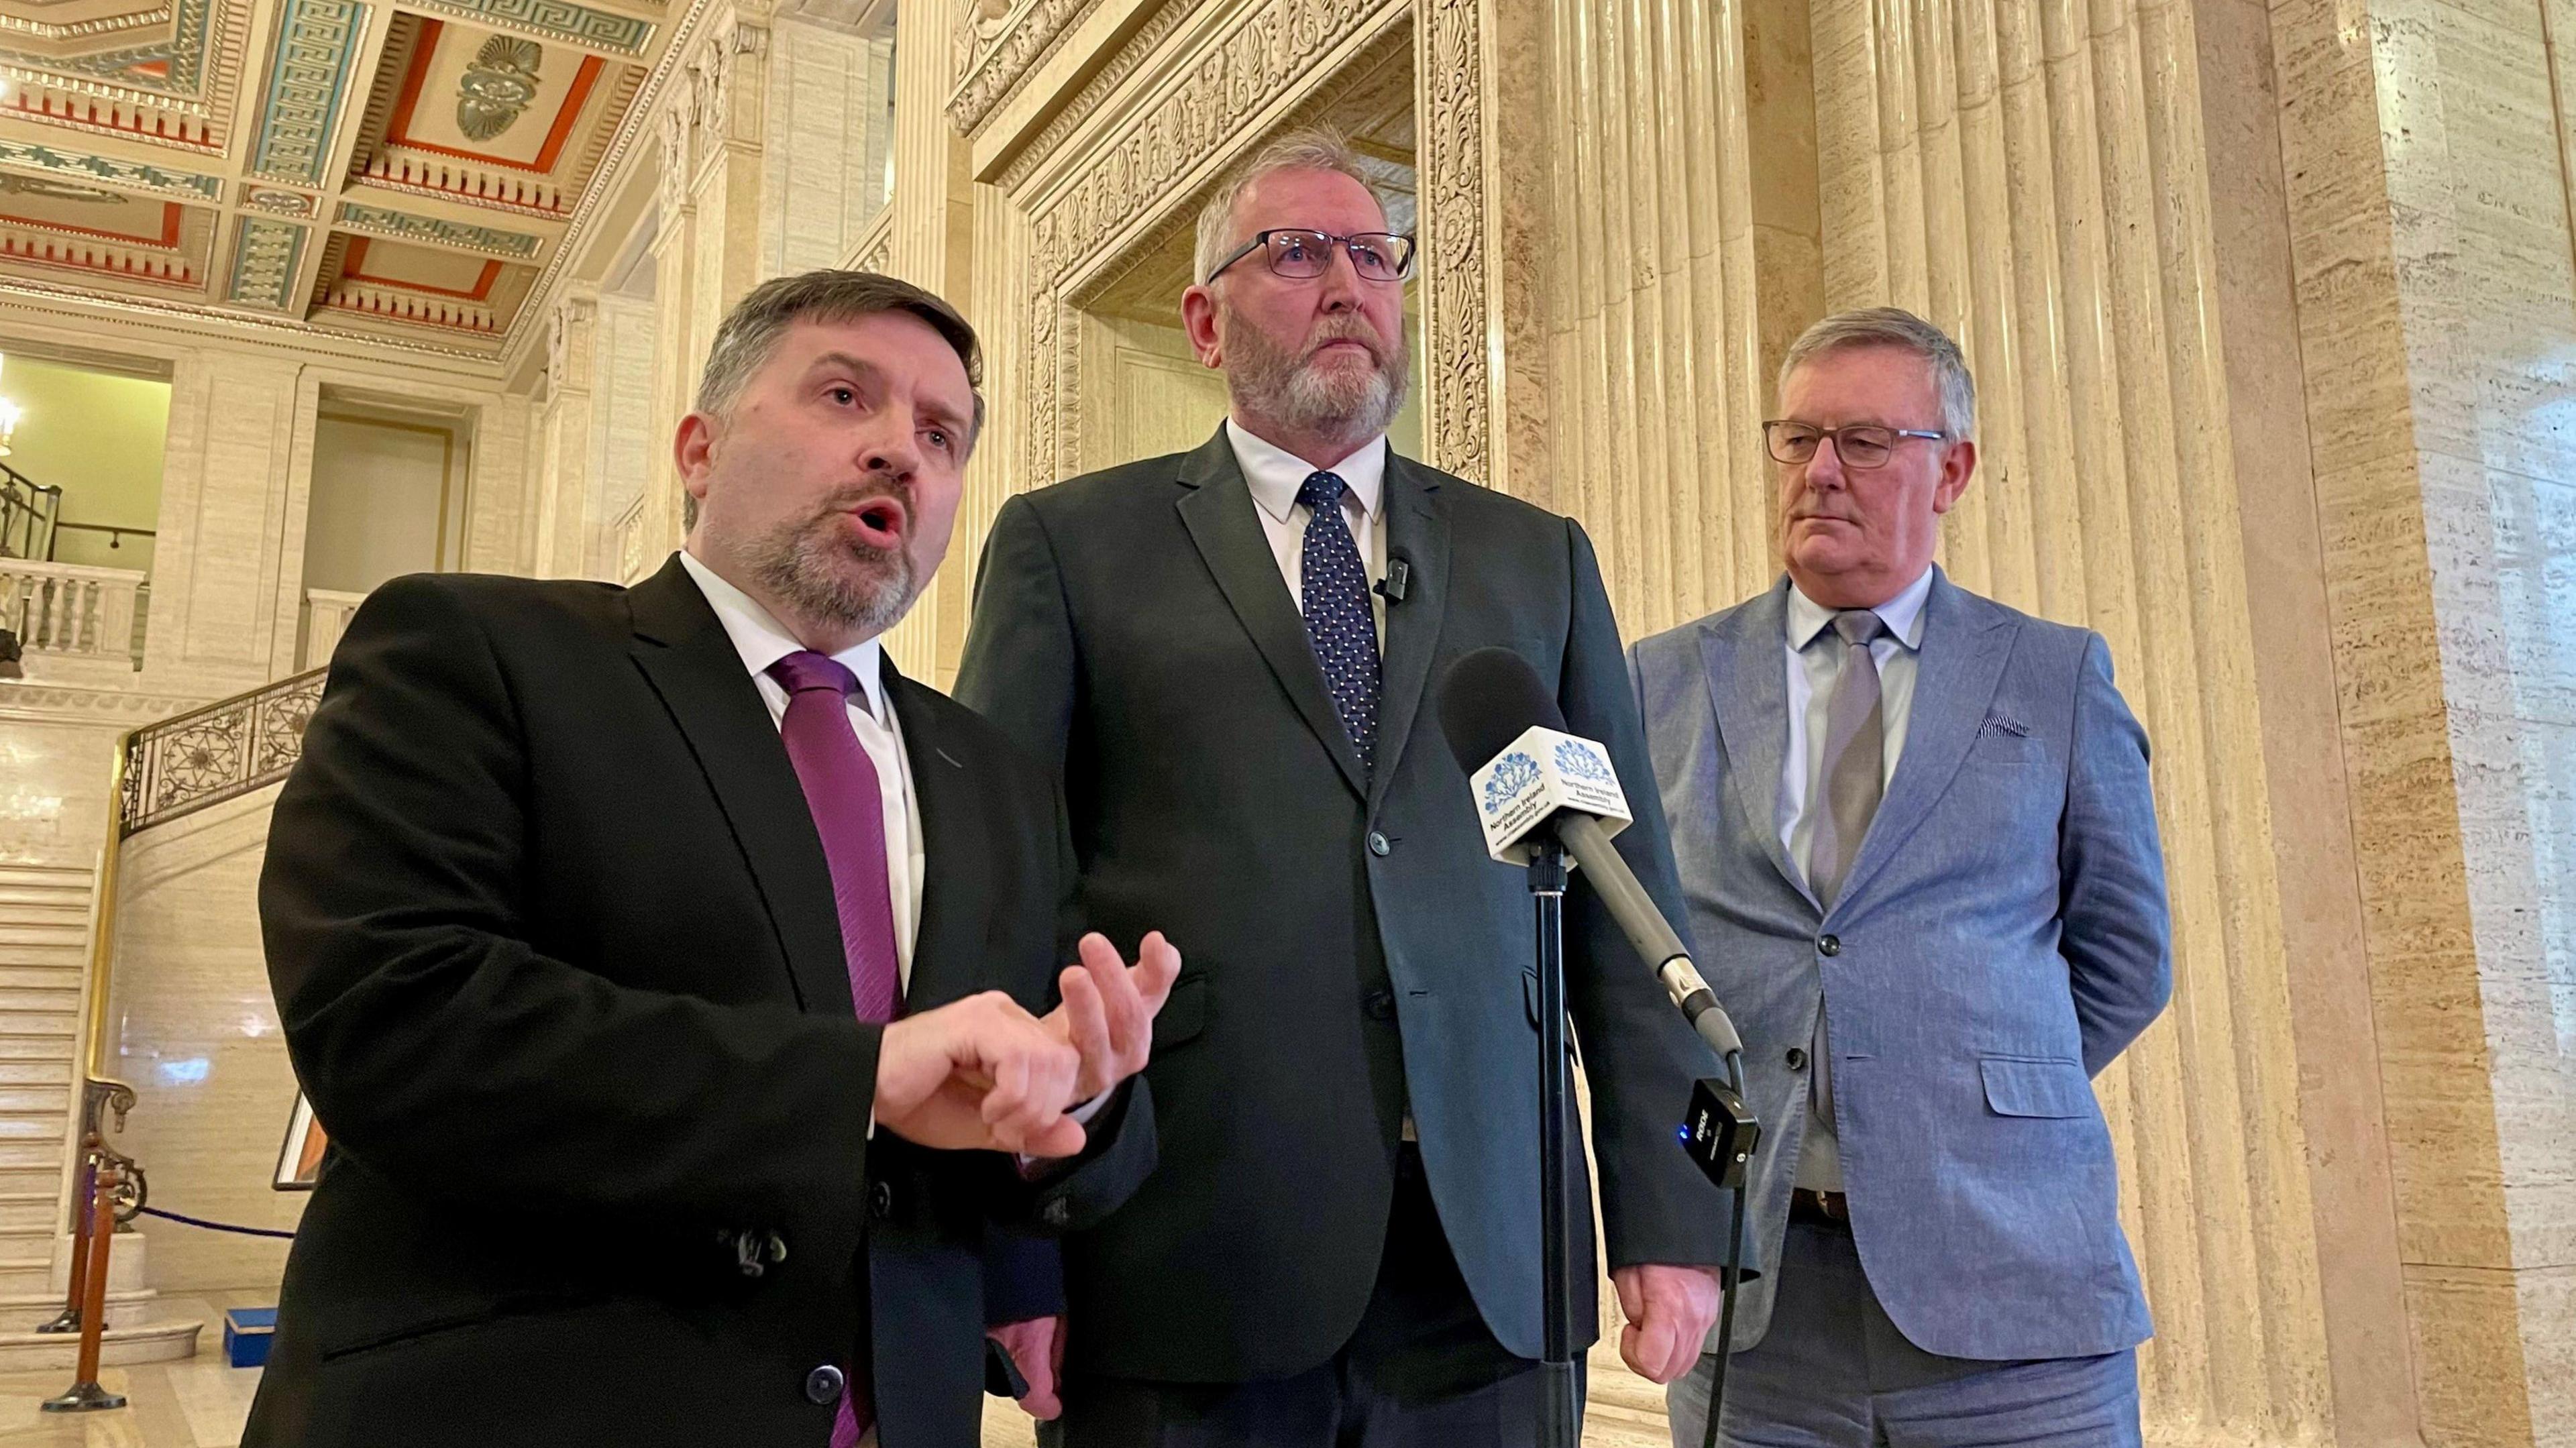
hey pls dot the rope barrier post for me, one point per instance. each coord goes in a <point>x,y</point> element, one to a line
<point>84,1191</point>
<point>85,1395</point>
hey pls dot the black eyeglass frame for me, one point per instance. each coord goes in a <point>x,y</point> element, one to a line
<point>1894,434</point>
<point>1349,244</point>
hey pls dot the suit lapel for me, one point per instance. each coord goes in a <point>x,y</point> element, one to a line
<point>1746,657</point>
<point>1417,531</point>
<point>1966,642</point>
<point>686,656</point>
<point>1217,509</point>
<point>954,895</point>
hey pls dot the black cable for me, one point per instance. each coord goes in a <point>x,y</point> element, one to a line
<point>1730,1275</point>
<point>213,1226</point>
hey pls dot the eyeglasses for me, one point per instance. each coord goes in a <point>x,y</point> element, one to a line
<point>1861,445</point>
<point>1301,255</point>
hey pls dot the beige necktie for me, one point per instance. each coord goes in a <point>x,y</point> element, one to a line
<point>1855,746</point>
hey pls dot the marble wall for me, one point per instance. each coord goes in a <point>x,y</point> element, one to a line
<point>193,1028</point>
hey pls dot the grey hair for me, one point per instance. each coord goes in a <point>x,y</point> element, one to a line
<point>749,335</point>
<point>1895,327</point>
<point>1314,148</point>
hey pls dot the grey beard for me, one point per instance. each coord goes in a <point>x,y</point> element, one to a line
<point>1281,385</point>
<point>801,565</point>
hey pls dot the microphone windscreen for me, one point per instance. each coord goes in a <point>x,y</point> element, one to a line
<point>1487,699</point>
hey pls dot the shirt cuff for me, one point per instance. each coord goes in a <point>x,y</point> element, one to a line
<point>1080,1116</point>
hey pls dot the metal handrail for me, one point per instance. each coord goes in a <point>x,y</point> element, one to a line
<point>29,512</point>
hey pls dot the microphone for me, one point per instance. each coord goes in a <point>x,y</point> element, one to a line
<point>1530,776</point>
<point>1398,580</point>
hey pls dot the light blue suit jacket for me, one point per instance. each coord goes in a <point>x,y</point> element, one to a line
<point>2001,937</point>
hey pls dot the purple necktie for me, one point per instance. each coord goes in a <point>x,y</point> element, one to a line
<point>843,793</point>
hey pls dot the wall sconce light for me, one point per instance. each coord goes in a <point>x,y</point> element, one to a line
<point>9,415</point>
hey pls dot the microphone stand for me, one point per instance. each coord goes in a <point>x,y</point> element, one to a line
<point>1730,1275</point>
<point>1547,880</point>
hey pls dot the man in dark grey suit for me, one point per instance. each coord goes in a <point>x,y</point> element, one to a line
<point>1919,847</point>
<point>1341,1245</point>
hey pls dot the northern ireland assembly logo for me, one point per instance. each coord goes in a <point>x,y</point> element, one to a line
<point>1513,773</point>
<point>1581,761</point>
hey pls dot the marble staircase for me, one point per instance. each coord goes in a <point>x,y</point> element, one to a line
<point>44,949</point>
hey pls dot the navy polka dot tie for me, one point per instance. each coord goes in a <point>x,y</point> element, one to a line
<point>1338,620</point>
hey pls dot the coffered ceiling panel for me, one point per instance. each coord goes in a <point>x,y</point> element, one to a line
<point>396,170</point>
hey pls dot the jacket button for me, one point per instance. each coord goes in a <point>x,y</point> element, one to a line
<point>1056,1212</point>
<point>1380,844</point>
<point>1830,945</point>
<point>823,1385</point>
<point>1797,1059</point>
<point>881,1201</point>
<point>1380,1004</point>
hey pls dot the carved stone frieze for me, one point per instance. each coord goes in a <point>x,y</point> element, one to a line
<point>25,702</point>
<point>1450,172</point>
<point>996,45</point>
<point>1088,101</point>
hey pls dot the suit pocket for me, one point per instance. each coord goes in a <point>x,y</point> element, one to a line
<point>1183,1015</point>
<point>2036,1086</point>
<point>1996,747</point>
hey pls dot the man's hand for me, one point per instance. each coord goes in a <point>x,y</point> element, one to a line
<point>978,1074</point>
<point>1037,1348</point>
<point>1109,1009</point>
<point>1669,1311</point>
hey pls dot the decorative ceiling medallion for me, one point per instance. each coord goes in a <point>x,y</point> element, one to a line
<point>560,104</point>
<point>276,202</point>
<point>316,42</point>
<point>265,254</point>
<point>497,86</point>
<point>556,19</point>
<point>403,226</point>
<point>110,171</point>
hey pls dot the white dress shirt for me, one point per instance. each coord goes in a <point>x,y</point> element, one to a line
<point>1275,475</point>
<point>1813,663</point>
<point>762,642</point>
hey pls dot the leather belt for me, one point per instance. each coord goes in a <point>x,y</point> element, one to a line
<point>1824,1209</point>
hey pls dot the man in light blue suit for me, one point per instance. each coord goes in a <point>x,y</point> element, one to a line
<point>1919,852</point>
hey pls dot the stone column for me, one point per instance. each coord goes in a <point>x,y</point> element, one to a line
<point>931,243</point>
<point>2425,146</point>
<point>229,560</point>
<point>623,448</point>
<point>566,483</point>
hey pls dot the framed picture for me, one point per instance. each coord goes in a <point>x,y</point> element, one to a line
<point>299,1160</point>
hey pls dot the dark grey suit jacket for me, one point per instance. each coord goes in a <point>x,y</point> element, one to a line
<point>2001,937</point>
<point>1349,947</point>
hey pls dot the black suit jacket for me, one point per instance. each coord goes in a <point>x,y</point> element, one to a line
<point>1348,945</point>
<point>556,956</point>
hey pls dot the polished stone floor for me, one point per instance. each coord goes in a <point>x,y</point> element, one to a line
<point>200,1403</point>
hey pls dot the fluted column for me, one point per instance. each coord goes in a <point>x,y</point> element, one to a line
<point>931,243</point>
<point>1653,293</point>
<point>2034,179</point>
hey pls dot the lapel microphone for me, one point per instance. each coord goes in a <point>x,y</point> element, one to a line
<point>1398,580</point>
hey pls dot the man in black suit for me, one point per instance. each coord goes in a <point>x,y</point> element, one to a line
<point>1341,1245</point>
<point>662,961</point>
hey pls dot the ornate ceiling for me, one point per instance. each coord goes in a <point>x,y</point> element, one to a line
<point>398,170</point>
